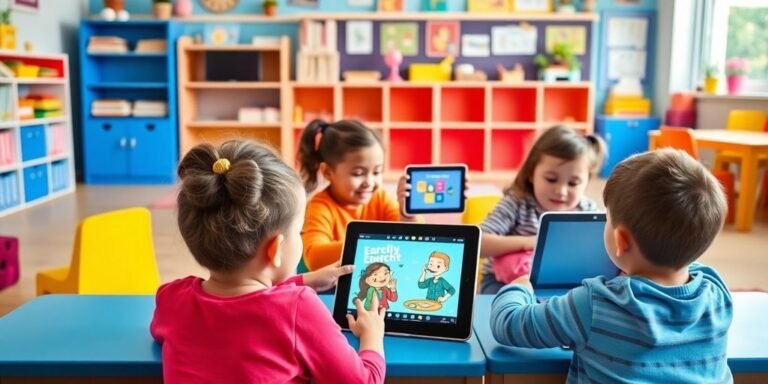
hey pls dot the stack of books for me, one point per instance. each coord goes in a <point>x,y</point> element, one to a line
<point>151,46</point>
<point>111,108</point>
<point>107,44</point>
<point>150,108</point>
<point>46,106</point>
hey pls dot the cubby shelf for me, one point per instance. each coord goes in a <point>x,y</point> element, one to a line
<point>36,155</point>
<point>233,85</point>
<point>490,126</point>
<point>231,124</point>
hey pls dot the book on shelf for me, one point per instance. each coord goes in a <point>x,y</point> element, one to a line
<point>150,108</point>
<point>151,46</point>
<point>107,44</point>
<point>111,107</point>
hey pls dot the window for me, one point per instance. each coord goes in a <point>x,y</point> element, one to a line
<point>739,30</point>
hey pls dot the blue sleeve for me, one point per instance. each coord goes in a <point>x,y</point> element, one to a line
<point>448,287</point>
<point>424,284</point>
<point>517,320</point>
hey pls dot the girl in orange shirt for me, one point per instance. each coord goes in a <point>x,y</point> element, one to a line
<point>350,156</point>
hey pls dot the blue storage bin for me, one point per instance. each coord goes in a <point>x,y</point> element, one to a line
<point>32,142</point>
<point>9,190</point>
<point>35,182</point>
<point>59,173</point>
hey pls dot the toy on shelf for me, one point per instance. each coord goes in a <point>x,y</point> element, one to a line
<point>626,99</point>
<point>514,75</point>
<point>563,67</point>
<point>431,72</point>
<point>467,72</point>
<point>361,76</point>
<point>566,6</point>
<point>7,31</point>
<point>393,59</point>
<point>270,7</point>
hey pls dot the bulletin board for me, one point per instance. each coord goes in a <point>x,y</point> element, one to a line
<point>628,47</point>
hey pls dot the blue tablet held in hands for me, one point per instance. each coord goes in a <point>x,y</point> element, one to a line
<point>436,188</point>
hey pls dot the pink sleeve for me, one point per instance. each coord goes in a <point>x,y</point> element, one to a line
<point>325,352</point>
<point>296,279</point>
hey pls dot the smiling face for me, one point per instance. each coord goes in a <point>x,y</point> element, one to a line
<point>355,179</point>
<point>437,266</point>
<point>558,184</point>
<point>379,278</point>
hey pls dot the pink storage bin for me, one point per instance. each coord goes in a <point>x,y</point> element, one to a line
<point>9,261</point>
<point>681,118</point>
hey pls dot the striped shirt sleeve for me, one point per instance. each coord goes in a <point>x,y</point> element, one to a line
<point>517,320</point>
<point>503,217</point>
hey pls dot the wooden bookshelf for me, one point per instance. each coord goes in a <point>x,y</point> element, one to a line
<point>215,81</point>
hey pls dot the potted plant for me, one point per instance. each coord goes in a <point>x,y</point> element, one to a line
<point>162,9</point>
<point>270,7</point>
<point>711,75</point>
<point>563,66</point>
<point>735,70</point>
<point>7,31</point>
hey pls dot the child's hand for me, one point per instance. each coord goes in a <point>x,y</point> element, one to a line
<point>529,243</point>
<point>325,278</point>
<point>369,325</point>
<point>392,284</point>
<point>525,281</point>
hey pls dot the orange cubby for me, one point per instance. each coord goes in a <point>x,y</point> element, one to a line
<point>409,146</point>
<point>514,105</point>
<point>312,102</point>
<point>509,148</point>
<point>463,146</point>
<point>566,104</point>
<point>462,104</point>
<point>216,136</point>
<point>410,104</point>
<point>362,104</point>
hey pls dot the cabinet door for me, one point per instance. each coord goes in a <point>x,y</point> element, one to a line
<point>106,153</point>
<point>152,145</point>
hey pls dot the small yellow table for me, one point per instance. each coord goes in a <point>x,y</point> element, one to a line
<point>751,145</point>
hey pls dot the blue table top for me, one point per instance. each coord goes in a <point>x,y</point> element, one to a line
<point>747,341</point>
<point>81,335</point>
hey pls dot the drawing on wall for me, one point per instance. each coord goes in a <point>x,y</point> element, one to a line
<point>29,6</point>
<point>309,3</point>
<point>575,36</point>
<point>513,40</point>
<point>626,63</point>
<point>442,38</point>
<point>627,32</point>
<point>391,5</point>
<point>360,3</point>
<point>532,5</point>
<point>488,5</point>
<point>475,45</point>
<point>435,5</point>
<point>401,36</point>
<point>359,38</point>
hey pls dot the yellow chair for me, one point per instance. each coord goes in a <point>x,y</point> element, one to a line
<point>740,120</point>
<point>476,210</point>
<point>113,254</point>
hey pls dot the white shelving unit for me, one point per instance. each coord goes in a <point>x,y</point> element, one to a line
<point>36,155</point>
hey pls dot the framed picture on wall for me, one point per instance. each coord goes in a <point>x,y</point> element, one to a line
<point>403,37</point>
<point>391,5</point>
<point>488,5</point>
<point>442,38</point>
<point>531,6</point>
<point>29,6</point>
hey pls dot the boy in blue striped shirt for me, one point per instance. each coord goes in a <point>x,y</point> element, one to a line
<point>666,319</point>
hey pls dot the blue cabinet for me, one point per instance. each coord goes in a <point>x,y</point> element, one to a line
<point>35,182</point>
<point>32,142</point>
<point>625,137</point>
<point>129,149</point>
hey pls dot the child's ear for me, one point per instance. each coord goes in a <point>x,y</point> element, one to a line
<point>624,240</point>
<point>325,170</point>
<point>273,250</point>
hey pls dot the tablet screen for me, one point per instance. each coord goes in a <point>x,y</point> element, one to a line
<point>436,189</point>
<point>423,274</point>
<point>415,277</point>
<point>572,251</point>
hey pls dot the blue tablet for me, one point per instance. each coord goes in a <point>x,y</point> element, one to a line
<point>436,189</point>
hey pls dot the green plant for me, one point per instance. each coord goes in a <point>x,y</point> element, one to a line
<point>562,54</point>
<point>541,61</point>
<point>5,16</point>
<point>711,71</point>
<point>270,3</point>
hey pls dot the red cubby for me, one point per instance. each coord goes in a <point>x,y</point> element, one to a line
<point>463,146</point>
<point>566,104</point>
<point>409,146</point>
<point>462,104</point>
<point>517,105</point>
<point>362,104</point>
<point>410,104</point>
<point>509,148</point>
<point>315,102</point>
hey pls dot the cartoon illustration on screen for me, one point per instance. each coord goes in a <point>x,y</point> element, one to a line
<point>438,289</point>
<point>377,279</point>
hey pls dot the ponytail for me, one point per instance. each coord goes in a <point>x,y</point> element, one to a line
<point>322,142</point>
<point>599,153</point>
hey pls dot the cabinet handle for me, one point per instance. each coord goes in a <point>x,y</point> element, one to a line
<point>133,143</point>
<point>150,127</point>
<point>106,126</point>
<point>123,142</point>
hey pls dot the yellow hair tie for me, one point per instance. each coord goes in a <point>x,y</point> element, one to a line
<point>221,166</point>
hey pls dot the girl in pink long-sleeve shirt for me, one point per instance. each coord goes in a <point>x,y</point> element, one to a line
<point>240,212</point>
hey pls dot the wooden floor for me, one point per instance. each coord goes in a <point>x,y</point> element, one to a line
<point>46,235</point>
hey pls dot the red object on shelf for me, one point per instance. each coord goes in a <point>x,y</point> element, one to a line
<point>682,101</point>
<point>681,118</point>
<point>9,261</point>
